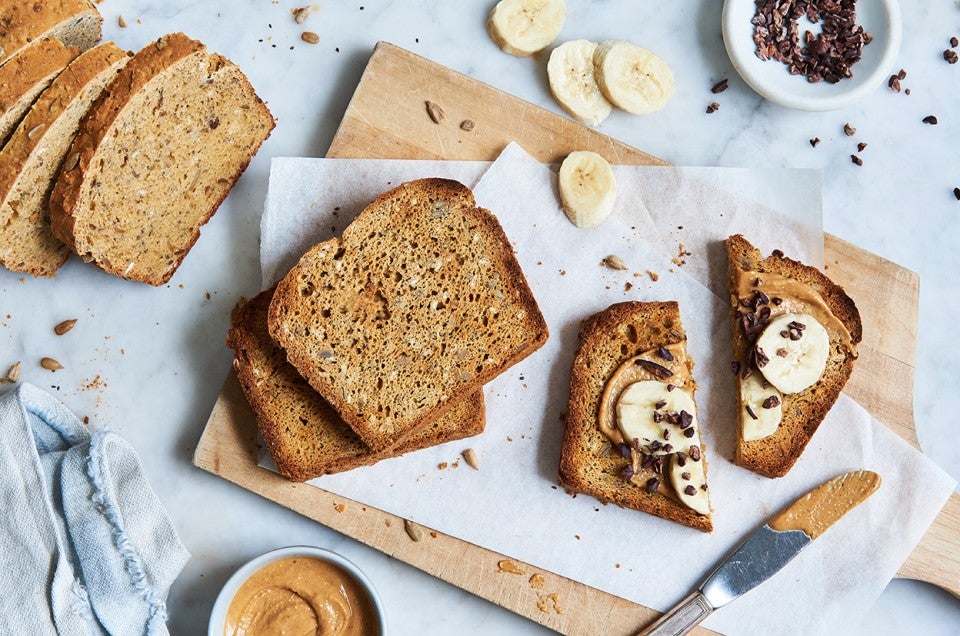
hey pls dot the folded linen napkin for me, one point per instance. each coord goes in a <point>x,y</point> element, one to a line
<point>85,545</point>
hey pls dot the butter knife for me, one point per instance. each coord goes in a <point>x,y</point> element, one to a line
<point>768,549</point>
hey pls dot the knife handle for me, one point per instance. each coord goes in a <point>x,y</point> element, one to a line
<point>686,615</point>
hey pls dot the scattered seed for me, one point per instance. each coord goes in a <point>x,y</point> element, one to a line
<point>930,119</point>
<point>950,56</point>
<point>954,42</point>
<point>712,108</point>
<point>861,146</point>
<point>470,456</point>
<point>413,529</point>
<point>751,413</point>
<point>849,130</point>
<point>435,112</point>
<point>719,87</point>
<point>694,453</point>
<point>894,83</point>
<point>902,74</point>
<point>64,326</point>
<point>771,402</point>
<point>857,160</point>
<point>121,22</point>
<point>690,432</point>
<point>300,15</point>
<point>310,37</point>
<point>36,130</point>
<point>50,364</point>
<point>652,484</point>
<point>72,161</point>
<point>13,374</point>
<point>685,476</point>
<point>815,142</point>
<point>615,262</point>
<point>906,91</point>
<point>690,490</point>
<point>467,125</point>
<point>664,353</point>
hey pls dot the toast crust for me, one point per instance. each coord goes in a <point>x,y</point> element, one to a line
<point>588,463</point>
<point>304,434</point>
<point>803,412</point>
<point>391,342</point>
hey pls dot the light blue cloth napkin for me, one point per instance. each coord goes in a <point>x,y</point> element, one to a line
<point>85,545</point>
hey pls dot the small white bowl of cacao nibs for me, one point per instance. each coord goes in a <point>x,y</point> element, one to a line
<point>812,54</point>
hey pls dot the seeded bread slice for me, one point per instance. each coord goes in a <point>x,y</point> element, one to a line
<point>588,462</point>
<point>30,162</point>
<point>24,77</point>
<point>803,412</point>
<point>158,153</point>
<point>419,303</point>
<point>304,434</point>
<point>73,22</point>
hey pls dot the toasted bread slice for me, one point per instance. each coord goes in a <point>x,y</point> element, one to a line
<point>30,162</point>
<point>590,462</point>
<point>802,412</point>
<point>73,22</point>
<point>158,153</point>
<point>419,303</point>
<point>304,434</point>
<point>24,77</point>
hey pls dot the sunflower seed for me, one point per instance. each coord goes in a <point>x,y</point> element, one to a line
<point>64,326</point>
<point>413,530</point>
<point>50,364</point>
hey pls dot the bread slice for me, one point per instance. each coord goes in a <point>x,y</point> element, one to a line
<point>158,153</point>
<point>30,162</point>
<point>73,22</point>
<point>419,303</point>
<point>589,461</point>
<point>24,77</point>
<point>803,412</point>
<point>304,434</point>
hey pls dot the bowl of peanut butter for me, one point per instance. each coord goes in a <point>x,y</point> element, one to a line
<point>297,590</point>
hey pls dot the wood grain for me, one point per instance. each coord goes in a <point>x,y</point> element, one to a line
<point>387,118</point>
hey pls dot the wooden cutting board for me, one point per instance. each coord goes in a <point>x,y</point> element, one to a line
<point>387,118</point>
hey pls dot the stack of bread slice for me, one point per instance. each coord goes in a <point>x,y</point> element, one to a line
<point>380,341</point>
<point>120,159</point>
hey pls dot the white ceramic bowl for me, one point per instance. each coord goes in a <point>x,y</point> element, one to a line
<point>772,79</point>
<point>218,616</point>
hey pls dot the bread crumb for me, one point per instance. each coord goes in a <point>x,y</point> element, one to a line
<point>544,603</point>
<point>339,507</point>
<point>442,465</point>
<point>507,566</point>
<point>653,275</point>
<point>310,37</point>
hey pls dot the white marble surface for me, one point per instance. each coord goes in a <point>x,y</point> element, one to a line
<point>159,353</point>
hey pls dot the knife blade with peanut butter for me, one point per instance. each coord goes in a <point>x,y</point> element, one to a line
<point>768,549</point>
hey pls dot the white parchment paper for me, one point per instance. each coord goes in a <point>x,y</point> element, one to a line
<point>513,504</point>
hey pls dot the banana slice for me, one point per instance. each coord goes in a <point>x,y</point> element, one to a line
<point>588,188</point>
<point>570,72</point>
<point>689,480</point>
<point>523,27</point>
<point>633,78</point>
<point>636,417</point>
<point>792,352</point>
<point>765,408</point>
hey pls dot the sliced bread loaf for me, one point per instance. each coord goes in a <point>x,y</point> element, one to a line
<point>29,163</point>
<point>419,303</point>
<point>638,344</point>
<point>775,426</point>
<point>158,153</point>
<point>24,77</point>
<point>304,434</point>
<point>73,22</point>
